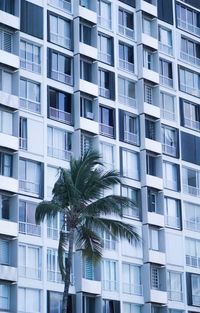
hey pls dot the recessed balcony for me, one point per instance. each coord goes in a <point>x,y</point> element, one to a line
<point>9,100</point>
<point>149,7</point>
<point>8,228</point>
<point>89,125</point>
<point>9,141</point>
<point>88,87</point>
<point>91,286</point>
<point>9,184</point>
<point>9,20</point>
<point>8,273</point>
<point>61,116</point>
<point>158,296</point>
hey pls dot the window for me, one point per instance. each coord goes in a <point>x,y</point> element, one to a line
<point>60,31</point>
<point>130,164</point>
<point>190,51</point>
<point>195,284</point>
<point>171,176</point>
<point>4,248</point>
<point>149,59</point>
<point>64,5</point>
<point>166,76</point>
<point>86,70</point>
<point>60,67</point>
<point>52,176</point>
<point>153,200</point>
<point>131,128</point>
<point>88,304</point>
<point>174,286</point>
<point>60,106</point>
<point>6,81</point>
<point>53,270</point>
<point>27,224</point>
<point>59,144</point>
<point>30,176</point>
<point>29,95</point>
<point>126,23</point>
<point>131,308</point>
<point>150,129</point>
<point>126,57</point>
<point>151,162</point>
<point>55,224</point>
<point>109,242</point>
<point>30,58</point>
<point>106,119</point>
<point>192,215</point>
<point>4,207</point>
<point>165,40</point>
<point>192,252</point>
<point>6,40</point>
<point>131,279</point>
<point>104,14</point>
<point>104,83</point>
<point>169,141</point>
<point>191,115</point>
<point>154,238</point>
<point>191,181</point>
<point>155,277</point>
<point>6,122</point>
<point>126,92</point>
<point>86,103</point>
<point>110,306</point>
<point>188,19</point>
<point>29,300</point>
<point>148,93</point>
<point>172,212</point>
<point>87,143</point>
<point>8,6</point>
<point>88,270</point>
<point>167,106</point>
<point>147,27</point>
<point>110,277</point>
<point>23,136</point>
<point>31,19</point>
<point>86,33</point>
<point>189,81</point>
<point>107,152</point>
<point>105,48</point>
<point>29,261</point>
<point>4,297</point>
<point>6,167</point>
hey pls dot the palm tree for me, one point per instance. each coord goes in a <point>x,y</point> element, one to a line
<point>78,195</point>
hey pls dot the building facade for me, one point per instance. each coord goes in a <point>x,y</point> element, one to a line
<point>121,77</point>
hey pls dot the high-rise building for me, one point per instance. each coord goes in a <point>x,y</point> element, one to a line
<point>122,77</point>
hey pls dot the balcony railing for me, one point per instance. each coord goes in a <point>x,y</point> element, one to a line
<point>52,233</point>
<point>56,277</point>
<point>30,66</point>
<point>109,244</point>
<point>4,303</point>
<point>188,27</point>
<point>104,22</point>
<point>110,285</point>
<point>28,186</point>
<point>61,77</point>
<point>107,130</point>
<point>61,4</point>
<point>103,92</point>
<point>188,89</point>
<point>59,153</point>
<point>168,149</point>
<point>105,57</point>
<point>132,212</point>
<point>166,81</point>
<point>23,143</point>
<point>127,100</point>
<point>170,184</point>
<point>29,105</point>
<point>191,124</point>
<point>168,115</point>
<point>196,300</point>
<point>60,40</point>
<point>133,289</point>
<point>126,31</point>
<point>131,137</point>
<point>173,221</point>
<point>192,261</point>
<point>192,224</point>
<point>174,295</point>
<point>191,190</point>
<point>165,48</point>
<point>30,229</point>
<point>190,58</point>
<point>125,65</point>
<point>60,115</point>
<point>29,272</point>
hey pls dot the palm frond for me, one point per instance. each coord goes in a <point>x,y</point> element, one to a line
<point>62,248</point>
<point>46,208</point>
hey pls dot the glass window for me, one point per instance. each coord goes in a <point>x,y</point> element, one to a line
<point>131,279</point>
<point>4,297</point>
<point>87,107</point>
<point>126,92</point>
<point>126,57</point>
<point>60,31</point>
<point>110,277</point>
<point>27,224</point>
<point>166,76</point>
<point>192,215</point>
<point>126,23</point>
<point>6,81</point>
<point>170,176</point>
<point>104,14</point>
<point>174,286</point>
<point>172,212</point>
<point>192,252</point>
<point>86,34</point>
<point>105,48</point>
<point>167,105</point>
<point>130,164</point>
<point>30,57</point>
<point>189,81</point>
<point>6,122</point>
<point>29,95</point>
<point>29,300</point>
<point>23,133</point>
<point>131,308</point>
<point>61,68</point>
<point>169,140</point>
<point>29,176</point>
<point>107,152</point>
<point>147,28</point>
<point>86,70</point>
<point>154,238</point>
<point>59,143</point>
<point>29,261</point>
<point>60,106</point>
<point>195,282</point>
<point>6,164</point>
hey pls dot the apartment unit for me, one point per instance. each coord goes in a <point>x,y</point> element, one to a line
<point>121,77</point>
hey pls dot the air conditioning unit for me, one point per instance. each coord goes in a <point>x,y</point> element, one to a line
<point>90,115</point>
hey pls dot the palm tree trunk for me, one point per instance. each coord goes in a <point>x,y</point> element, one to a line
<point>67,276</point>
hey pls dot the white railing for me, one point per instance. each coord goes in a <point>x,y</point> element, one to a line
<point>29,229</point>
<point>133,289</point>
<point>190,58</point>
<point>4,303</point>
<point>56,277</point>
<point>59,153</point>
<point>127,100</point>
<point>194,191</point>
<point>169,149</point>
<point>170,184</point>
<point>60,115</point>
<point>188,27</point>
<point>196,300</point>
<point>132,212</point>
<point>193,225</point>
<point>168,115</point>
<point>29,186</point>
<point>61,4</point>
<point>191,123</point>
<point>110,285</point>
<point>172,221</point>
<point>166,81</point>
<point>60,40</point>
<point>28,105</point>
<point>104,22</point>
<point>105,57</point>
<point>52,233</point>
<point>190,90</point>
<point>29,272</point>
<point>165,48</point>
<point>130,137</point>
<point>192,261</point>
<point>104,92</point>
<point>109,244</point>
<point>107,130</point>
<point>174,295</point>
<point>30,66</point>
<point>126,65</point>
<point>126,31</point>
<point>62,77</point>
<point>23,143</point>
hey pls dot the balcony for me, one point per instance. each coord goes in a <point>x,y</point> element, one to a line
<point>174,295</point>
<point>191,190</point>
<point>125,65</point>
<point>62,77</point>
<point>150,75</point>
<point>9,100</point>
<point>9,20</point>
<point>191,124</point>
<point>61,116</point>
<point>88,87</point>
<point>166,81</point>
<point>166,49</point>
<point>9,59</point>
<point>8,228</point>
<point>89,125</point>
<point>105,57</point>
<point>9,141</point>
<point>126,31</point>
<point>29,229</point>
<point>106,130</point>
<point>192,261</point>
<point>154,182</point>
<point>157,257</point>
<point>88,50</point>
<point>190,58</point>
<point>9,183</point>
<point>155,219</point>
<point>29,187</point>
<point>87,11</point>
<point>29,272</point>
<point>8,273</point>
<point>173,221</point>
<point>59,153</point>
<point>188,89</point>
<point>188,27</point>
<point>192,224</point>
<point>131,138</point>
<point>149,6</point>
<point>61,4</point>
<point>91,286</point>
<point>170,150</point>
<point>133,289</point>
<point>31,106</point>
<point>158,296</point>
<point>104,22</point>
